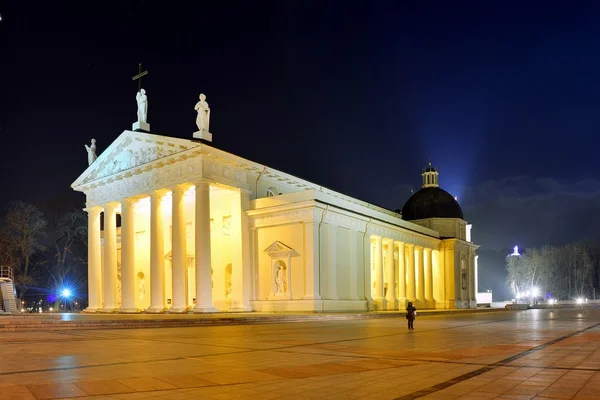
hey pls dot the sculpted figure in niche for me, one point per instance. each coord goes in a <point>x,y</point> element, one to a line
<point>142,289</point>
<point>142,102</point>
<point>91,150</point>
<point>203,118</point>
<point>280,280</point>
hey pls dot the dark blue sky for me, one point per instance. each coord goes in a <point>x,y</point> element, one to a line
<point>503,96</point>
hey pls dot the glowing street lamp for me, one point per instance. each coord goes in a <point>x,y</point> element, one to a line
<point>66,293</point>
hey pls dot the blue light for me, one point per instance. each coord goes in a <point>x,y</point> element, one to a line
<point>65,293</point>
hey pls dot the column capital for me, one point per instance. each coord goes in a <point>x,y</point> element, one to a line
<point>409,245</point>
<point>202,183</point>
<point>128,200</point>
<point>182,187</point>
<point>94,210</point>
<point>158,194</point>
<point>111,206</point>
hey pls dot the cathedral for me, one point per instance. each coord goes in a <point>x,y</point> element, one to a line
<point>187,227</point>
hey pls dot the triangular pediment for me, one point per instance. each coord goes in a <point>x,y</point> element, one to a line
<point>132,150</point>
<point>278,247</point>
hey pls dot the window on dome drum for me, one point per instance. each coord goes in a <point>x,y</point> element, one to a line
<point>270,193</point>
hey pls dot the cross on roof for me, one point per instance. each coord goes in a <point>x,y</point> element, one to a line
<point>139,76</point>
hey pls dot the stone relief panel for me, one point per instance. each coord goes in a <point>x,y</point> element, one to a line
<point>128,158</point>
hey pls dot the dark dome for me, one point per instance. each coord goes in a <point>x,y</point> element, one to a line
<point>431,202</point>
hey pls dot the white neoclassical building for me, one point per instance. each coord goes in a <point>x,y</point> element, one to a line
<point>177,225</point>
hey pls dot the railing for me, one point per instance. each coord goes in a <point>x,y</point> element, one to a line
<point>6,272</point>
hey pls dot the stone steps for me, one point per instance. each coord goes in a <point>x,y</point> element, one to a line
<point>57,322</point>
<point>20,325</point>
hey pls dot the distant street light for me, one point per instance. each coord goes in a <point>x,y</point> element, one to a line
<point>66,293</point>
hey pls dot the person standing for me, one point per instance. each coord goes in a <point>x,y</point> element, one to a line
<point>411,312</point>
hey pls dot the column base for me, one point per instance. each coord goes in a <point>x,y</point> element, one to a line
<point>391,304</point>
<point>155,309</point>
<point>430,303</point>
<point>200,310</point>
<point>379,303</point>
<point>402,303</point>
<point>91,310</point>
<point>108,310</point>
<point>178,310</point>
<point>130,310</point>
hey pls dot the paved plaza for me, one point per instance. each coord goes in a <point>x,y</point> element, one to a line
<point>535,354</point>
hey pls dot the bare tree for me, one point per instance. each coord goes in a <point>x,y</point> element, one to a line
<point>69,239</point>
<point>22,229</point>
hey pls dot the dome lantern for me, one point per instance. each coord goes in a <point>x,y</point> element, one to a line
<point>430,176</point>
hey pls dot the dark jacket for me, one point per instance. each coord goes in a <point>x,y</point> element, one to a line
<point>410,312</point>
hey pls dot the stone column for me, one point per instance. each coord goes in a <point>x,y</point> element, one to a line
<point>441,269</point>
<point>472,284</point>
<point>420,275</point>
<point>179,252</point>
<point>94,261</point>
<point>367,268</point>
<point>353,264</point>
<point>401,275</point>
<point>390,295</point>
<point>311,270</point>
<point>427,260</point>
<point>240,271</point>
<point>379,271</point>
<point>332,276</point>
<point>410,273</point>
<point>128,257</point>
<point>202,250</point>
<point>110,256</point>
<point>157,253</point>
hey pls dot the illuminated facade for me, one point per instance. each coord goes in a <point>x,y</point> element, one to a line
<point>203,230</point>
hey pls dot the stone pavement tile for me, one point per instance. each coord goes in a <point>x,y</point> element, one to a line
<point>370,363</point>
<point>515,397</point>
<point>442,395</point>
<point>580,396</point>
<point>478,396</point>
<point>96,388</point>
<point>558,392</point>
<point>231,377</point>
<point>184,381</point>
<point>55,390</point>
<point>297,372</point>
<point>523,374</point>
<point>499,386</point>
<point>342,367</point>
<point>146,384</point>
<point>15,392</point>
<point>526,390</point>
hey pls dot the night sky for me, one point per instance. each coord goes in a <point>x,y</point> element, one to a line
<point>504,97</point>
